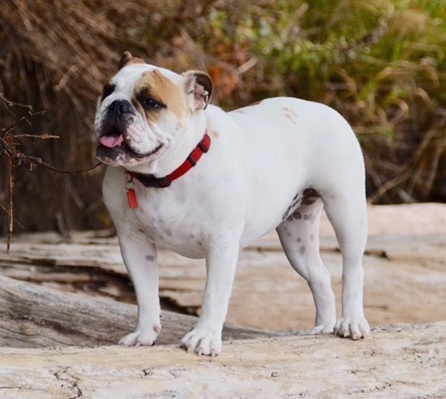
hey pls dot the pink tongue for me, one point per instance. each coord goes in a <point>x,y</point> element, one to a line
<point>109,141</point>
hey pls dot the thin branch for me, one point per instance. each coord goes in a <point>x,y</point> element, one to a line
<point>9,143</point>
<point>11,208</point>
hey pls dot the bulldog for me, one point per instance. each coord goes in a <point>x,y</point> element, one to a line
<point>192,178</point>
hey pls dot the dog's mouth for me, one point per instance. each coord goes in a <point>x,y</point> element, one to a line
<point>113,144</point>
<point>112,139</point>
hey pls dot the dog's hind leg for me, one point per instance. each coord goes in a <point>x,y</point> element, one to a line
<point>347,212</point>
<point>299,235</point>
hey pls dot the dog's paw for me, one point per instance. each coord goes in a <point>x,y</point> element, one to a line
<point>322,329</point>
<point>202,342</point>
<point>354,327</point>
<point>141,337</point>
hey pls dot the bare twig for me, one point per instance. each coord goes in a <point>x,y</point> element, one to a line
<point>11,207</point>
<point>9,145</point>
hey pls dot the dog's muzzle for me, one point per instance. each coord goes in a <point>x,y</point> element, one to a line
<point>116,121</point>
<point>113,141</point>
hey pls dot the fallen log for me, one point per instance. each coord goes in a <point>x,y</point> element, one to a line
<point>267,293</point>
<point>36,316</point>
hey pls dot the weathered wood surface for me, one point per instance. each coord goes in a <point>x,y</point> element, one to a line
<point>401,361</point>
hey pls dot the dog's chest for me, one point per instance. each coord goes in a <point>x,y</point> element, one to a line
<point>172,221</point>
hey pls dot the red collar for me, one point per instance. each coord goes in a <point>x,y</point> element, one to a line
<point>162,182</point>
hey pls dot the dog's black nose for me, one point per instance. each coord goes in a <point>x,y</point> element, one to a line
<point>119,107</point>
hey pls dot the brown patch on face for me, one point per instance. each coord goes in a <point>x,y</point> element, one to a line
<point>154,85</point>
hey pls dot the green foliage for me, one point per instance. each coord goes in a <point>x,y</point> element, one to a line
<point>381,63</point>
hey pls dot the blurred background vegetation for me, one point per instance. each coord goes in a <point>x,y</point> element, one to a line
<point>380,63</point>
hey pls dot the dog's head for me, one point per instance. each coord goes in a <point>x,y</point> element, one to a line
<point>144,111</point>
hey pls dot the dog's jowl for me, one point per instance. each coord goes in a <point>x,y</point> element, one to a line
<point>204,183</point>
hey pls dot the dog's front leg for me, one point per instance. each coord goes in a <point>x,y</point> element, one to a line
<point>141,263</point>
<point>221,264</point>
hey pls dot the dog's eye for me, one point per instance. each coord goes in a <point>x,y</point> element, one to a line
<point>151,103</point>
<point>108,89</point>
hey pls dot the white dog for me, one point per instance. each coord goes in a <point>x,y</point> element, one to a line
<point>204,183</point>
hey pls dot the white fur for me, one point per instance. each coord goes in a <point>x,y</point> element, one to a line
<point>260,157</point>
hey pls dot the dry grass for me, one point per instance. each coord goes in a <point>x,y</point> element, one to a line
<point>56,56</point>
<point>379,62</point>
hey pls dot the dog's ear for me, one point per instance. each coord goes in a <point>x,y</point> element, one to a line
<point>128,59</point>
<point>198,88</point>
